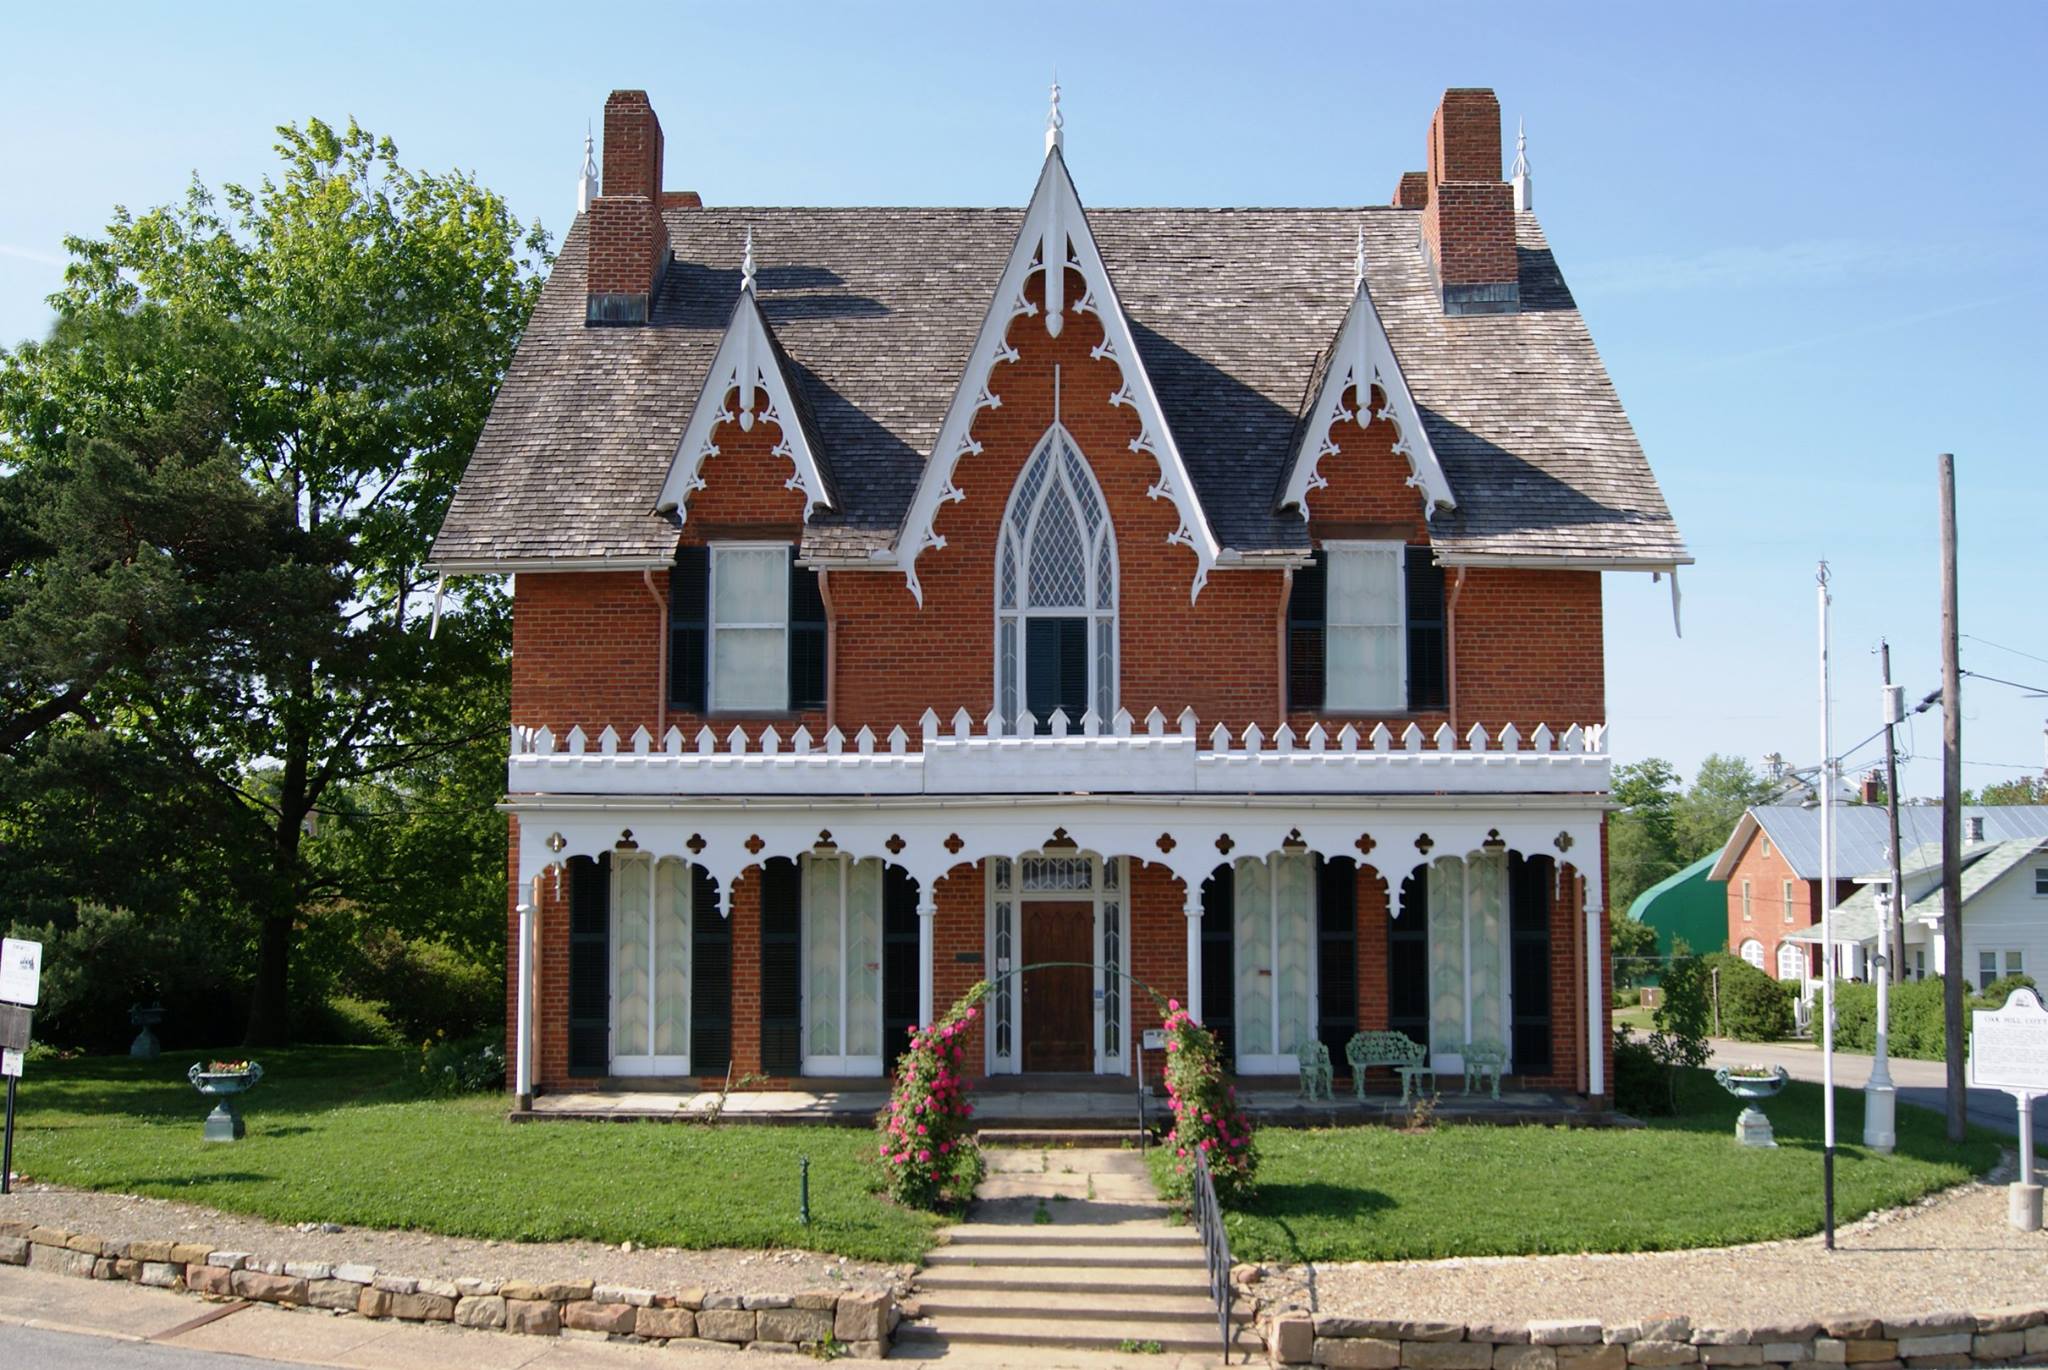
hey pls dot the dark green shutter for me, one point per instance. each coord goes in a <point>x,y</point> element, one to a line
<point>1056,669</point>
<point>1428,675</point>
<point>1529,886</point>
<point>1219,961</point>
<point>1336,953</point>
<point>899,962</point>
<point>710,979</point>
<point>590,937</point>
<point>1408,961</point>
<point>689,627</point>
<point>1307,631</point>
<point>782,967</point>
<point>806,638</point>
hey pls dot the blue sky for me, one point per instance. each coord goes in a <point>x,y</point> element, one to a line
<point>1807,238</point>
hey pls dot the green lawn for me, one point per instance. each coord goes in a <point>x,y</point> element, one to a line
<point>1371,1193</point>
<point>342,1134</point>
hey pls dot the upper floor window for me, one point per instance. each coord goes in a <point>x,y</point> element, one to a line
<point>2041,881</point>
<point>1365,630</point>
<point>1785,895</point>
<point>1745,900</point>
<point>1056,589</point>
<point>1766,839</point>
<point>746,630</point>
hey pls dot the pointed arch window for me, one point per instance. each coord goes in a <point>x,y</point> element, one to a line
<point>1056,587</point>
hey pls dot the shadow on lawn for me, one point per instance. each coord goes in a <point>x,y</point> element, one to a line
<point>1797,1121</point>
<point>1317,1199</point>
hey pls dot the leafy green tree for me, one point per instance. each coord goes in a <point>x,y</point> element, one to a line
<point>1642,842</point>
<point>1634,946</point>
<point>1710,809</point>
<point>2026,789</point>
<point>354,318</point>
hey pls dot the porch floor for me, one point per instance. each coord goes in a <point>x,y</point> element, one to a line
<point>1006,1104</point>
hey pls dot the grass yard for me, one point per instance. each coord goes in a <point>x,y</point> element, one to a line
<point>1371,1193</point>
<point>344,1134</point>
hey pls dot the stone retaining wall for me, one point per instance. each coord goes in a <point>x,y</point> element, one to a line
<point>1923,1341</point>
<point>860,1323</point>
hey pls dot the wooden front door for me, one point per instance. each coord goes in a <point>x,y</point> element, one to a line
<point>1059,1009</point>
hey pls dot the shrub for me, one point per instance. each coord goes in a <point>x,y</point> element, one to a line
<point>108,959</point>
<point>1641,1083</point>
<point>1207,1119</point>
<point>1646,1072</point>
<point>929,1158</point>
<point>1627,998</point>
<point>471,1065</point>
<point>1753,1006</point>
<point>428,987</point>
<point>1918,1028</point>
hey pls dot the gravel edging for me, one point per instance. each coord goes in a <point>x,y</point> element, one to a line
<point>130,1218</point>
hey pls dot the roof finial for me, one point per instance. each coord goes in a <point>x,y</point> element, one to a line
<point>1358,263</point>
<point>1054,120</point>
<point>747,265</point>
<point>1520,174</point>
<point>586,183</point>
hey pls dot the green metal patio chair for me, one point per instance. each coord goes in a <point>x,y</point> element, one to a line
<point>1314,1059</point>
<point>1485,1058</point>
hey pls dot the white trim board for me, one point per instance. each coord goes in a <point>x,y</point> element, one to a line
<point>1054,218</point>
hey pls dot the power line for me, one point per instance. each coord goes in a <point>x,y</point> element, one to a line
<point>2031,689</point>
<point>2003,648</point>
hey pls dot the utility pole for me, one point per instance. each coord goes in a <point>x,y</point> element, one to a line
<point>1951,810</point>
<point>1880,1098</point>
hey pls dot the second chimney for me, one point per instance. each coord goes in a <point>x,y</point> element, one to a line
<point>628,242</point>
<point>1468,224</point>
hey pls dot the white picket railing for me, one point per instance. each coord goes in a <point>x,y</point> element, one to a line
<point>1149,756</point>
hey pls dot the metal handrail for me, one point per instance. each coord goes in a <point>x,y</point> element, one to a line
<point>1215,1246</point>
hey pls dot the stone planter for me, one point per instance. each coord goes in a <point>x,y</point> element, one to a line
<point>225,1124</point>
<point>146,1047</point>
<point>1752,1128</point>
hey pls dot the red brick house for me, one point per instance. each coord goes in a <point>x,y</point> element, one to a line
<point>1217,614</point>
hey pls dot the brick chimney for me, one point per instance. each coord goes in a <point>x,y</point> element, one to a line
<point>1413,192</point>
<point>1468,225</point>
<point>628,241</point>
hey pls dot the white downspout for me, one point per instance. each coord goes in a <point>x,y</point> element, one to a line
<point>522,1054</point>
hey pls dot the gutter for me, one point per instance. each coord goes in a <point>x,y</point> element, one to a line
<point>507,566</point>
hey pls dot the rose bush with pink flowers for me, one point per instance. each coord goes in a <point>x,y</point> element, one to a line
<point>1207,1117</point>
<point>928,1153</point>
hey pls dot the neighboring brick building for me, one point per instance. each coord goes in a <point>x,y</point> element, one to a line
<point>1220,613</point>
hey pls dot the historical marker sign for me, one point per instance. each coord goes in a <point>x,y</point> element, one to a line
<point>2009,1046</point>
<point>21,970</point>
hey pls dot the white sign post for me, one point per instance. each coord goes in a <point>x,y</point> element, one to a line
<point>2009,1051</point>
<point>21,970</point>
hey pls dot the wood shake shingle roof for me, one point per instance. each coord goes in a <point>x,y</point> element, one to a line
<point>875,312</point>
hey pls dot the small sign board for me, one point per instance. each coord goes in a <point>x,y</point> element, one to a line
<point>1155,1039</point>
<point>2009,1046</point>
<point>21,970</point>
<point>14,1027</point>
<point>10,1064</point>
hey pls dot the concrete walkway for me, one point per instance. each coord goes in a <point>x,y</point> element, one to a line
<point>1923,1084</point>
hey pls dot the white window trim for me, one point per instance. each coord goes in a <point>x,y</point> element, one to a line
<point>1743,952</point>
<point>1020,900</point>
<point>1785,893</point>
<point>1024,611</point>
<point>1748,916</point>
<point>1399,704</point>
<point>841,1064</point>
<point>712,704</point>
<point>2041,882</point>
<point>1279,1062</point>
<point>648,1064</point>
<point>1805,963</point>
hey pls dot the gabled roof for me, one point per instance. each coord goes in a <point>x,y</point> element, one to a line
<point>1862,834</point>
<point>1362,357</point>
<point>1984,865</point>
<point>749,358</point>
<point>1054,236</point>
<point>1231,313</point>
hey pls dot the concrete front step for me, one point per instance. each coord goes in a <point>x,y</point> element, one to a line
<point>1105,1257</point>
<point>959,1280</point>
<point>1106,1138</point>
<point>1082,1304</point>
<point>1102,1334</point>
<point>1056,1233</point>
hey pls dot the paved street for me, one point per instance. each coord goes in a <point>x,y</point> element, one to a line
<point>1919,1082</point>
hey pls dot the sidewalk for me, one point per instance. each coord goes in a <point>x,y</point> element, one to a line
<point>1921,1083</point>
<point>134,1314</point>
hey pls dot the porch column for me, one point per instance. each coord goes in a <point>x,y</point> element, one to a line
<point>522,1052</point>
<point>1596,1021</point>
<point>1194,920</point>
<point>927,922</point>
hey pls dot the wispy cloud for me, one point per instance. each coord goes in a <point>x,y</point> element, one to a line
<point>30,255</point>
<point>1812,261</point>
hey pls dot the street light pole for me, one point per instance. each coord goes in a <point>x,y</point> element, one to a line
<point>1827,922</point>
<point>1880,1099</point>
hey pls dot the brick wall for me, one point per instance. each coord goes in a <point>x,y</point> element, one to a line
<point>1766,873</point>
<point>1468,225</point>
